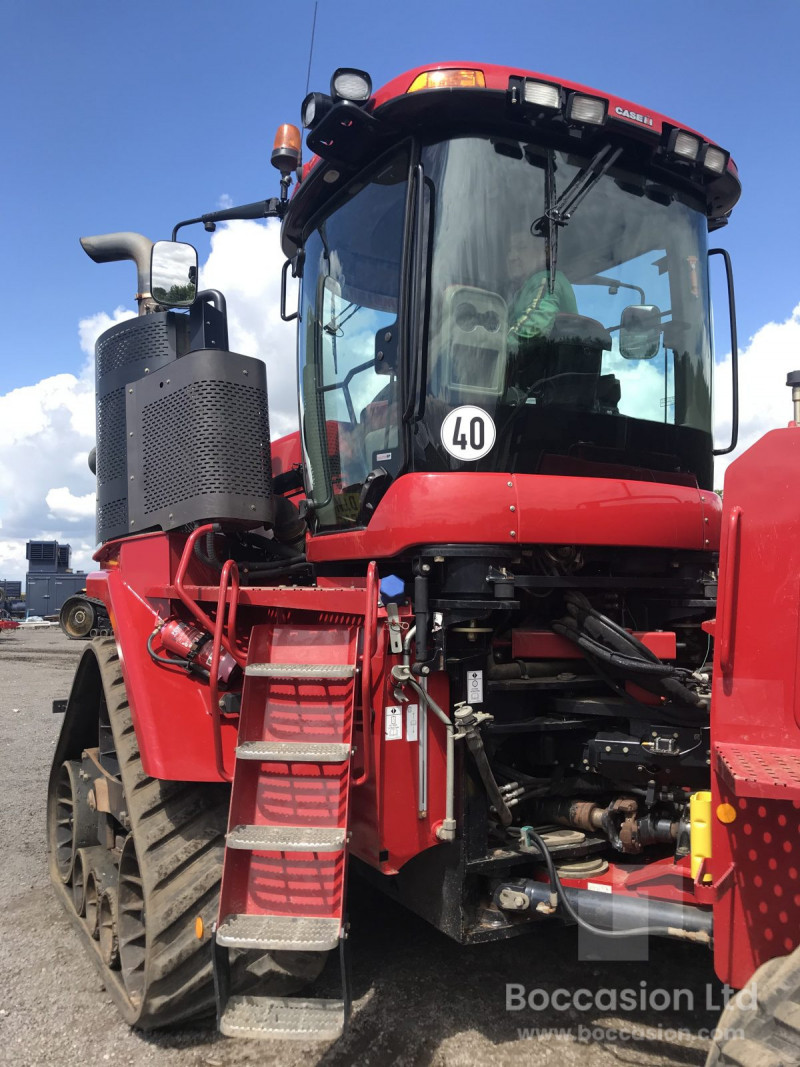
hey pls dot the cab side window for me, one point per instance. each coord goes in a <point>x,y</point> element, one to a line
<point>350,399</point>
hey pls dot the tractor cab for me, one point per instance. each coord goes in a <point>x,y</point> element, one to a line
<point>519,292</point>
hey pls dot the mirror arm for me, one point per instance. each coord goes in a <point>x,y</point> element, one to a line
<point>261,209</point>
<point>734,353</point>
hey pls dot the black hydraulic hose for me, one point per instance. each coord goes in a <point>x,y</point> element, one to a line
<point>614,659</point>
<point>665,714</point>
<point>288,564</point>
<point>599,627</point>
<point>475,745</point>
<point>283,551</point>
<point>557,889</point>
<point>682,692</point>
<point>211,550</point>
<point>612,631</point>
<point>252,576</point>
<point>209,557</point>
<point>163,659</point>
<point>668,677</point>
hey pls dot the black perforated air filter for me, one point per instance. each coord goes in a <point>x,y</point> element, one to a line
<point>129,350</point>
<point>199,449</point>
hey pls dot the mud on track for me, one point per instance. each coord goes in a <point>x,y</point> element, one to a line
<point>420,999</point>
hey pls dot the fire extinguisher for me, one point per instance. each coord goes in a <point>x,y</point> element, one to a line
<point>193,646</point>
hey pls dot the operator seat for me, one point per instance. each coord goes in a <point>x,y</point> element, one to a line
<point>568,363</point>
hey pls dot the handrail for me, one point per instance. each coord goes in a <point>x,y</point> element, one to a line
<point>370,647</point>
<point>229,570</point>
<point>726,607</point>
<point>193,607</point>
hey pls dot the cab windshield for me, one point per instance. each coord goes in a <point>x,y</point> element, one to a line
<point>576,344</point>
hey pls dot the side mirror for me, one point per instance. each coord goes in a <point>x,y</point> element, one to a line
<point>173,274</point>
<point>640,331</point>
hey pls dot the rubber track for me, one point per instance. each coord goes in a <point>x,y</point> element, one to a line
<point>179,832</point>
<point>768,1036</point>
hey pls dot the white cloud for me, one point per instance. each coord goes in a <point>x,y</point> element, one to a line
<point>64,505</point>
<point>48,428</point>
<point>12,558</point>
<point>764,401</point>
<point>245,264</point>
<point>89,329</point>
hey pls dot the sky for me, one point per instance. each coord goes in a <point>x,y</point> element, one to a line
<point>135,116</point>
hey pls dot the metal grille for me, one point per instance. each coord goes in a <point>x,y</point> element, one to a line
<point>189,450</point>
<point>149,341</point>
<point>122,355</point>
<point>111,450</point>
<point>112,516</point>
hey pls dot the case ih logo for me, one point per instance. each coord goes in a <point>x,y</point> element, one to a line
<point>634,116</point>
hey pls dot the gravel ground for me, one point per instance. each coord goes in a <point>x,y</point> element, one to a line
<point>420,999</point>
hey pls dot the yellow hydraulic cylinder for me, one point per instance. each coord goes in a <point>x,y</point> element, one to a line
<point>700,821</point>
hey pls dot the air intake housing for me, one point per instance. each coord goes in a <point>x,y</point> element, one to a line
<point>182,437</point>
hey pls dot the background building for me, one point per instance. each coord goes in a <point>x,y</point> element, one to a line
<point>49,580</point>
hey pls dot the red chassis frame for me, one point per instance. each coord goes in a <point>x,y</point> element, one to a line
<point>755,711</point>
<point>141,582</point>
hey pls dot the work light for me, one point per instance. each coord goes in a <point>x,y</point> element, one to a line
<point>684,145</point>
<point>350,84</point>
<point>714,159</point>
<point>542,94</point>
<point>589,109</point>
<point>313,108</point>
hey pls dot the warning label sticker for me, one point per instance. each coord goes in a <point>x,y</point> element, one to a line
<point>394,724</point>
<point>474,687</point>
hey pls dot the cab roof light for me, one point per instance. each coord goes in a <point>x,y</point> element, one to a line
<point>350,84</point>
<point>588,109</point>
<point>714,159</point>
<point>455,78</point>
<point>313,108</point>
<point>684,145</point>
<point>542,94</point>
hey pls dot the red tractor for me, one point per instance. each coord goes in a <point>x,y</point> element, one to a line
<point>482,629</point>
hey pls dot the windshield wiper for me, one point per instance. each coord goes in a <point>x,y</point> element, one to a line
<point>558,212</point>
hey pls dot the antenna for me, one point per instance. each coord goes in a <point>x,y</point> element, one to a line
<point>311,48</point>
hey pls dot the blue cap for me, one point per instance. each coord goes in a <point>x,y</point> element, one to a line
<point>392,588</point>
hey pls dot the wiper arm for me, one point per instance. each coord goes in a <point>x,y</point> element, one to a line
<point>559,212</point>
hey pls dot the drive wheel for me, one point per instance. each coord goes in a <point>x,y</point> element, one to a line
<point>71,822</point>
<point>108,927</point>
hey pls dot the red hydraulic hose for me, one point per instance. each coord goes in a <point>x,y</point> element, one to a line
<point>370,646</point>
